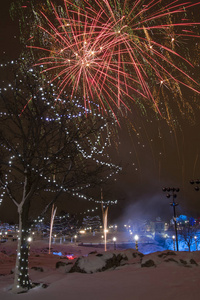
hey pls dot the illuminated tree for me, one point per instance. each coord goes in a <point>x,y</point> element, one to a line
<point>47,148</point>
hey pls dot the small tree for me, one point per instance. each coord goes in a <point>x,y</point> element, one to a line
<point>187,233</point>
<point>47,147</point>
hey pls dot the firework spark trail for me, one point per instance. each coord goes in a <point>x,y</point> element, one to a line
<point>105,221</point>
<point>108,53</point>
<point>53,213</point>
<point>160,46</point>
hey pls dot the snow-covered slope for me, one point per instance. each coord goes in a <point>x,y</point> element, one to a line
<point>118,275</point>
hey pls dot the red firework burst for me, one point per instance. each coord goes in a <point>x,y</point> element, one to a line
<point>109,51</point>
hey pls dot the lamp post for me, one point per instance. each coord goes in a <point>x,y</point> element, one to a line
<point>196,182</point>
<point>173,204</point>
<point>114,241</point>
<point>136,237</point>
<point>29,239</point>
<point>75,237</point>
<point>173,237</point>
<point>54,239</point>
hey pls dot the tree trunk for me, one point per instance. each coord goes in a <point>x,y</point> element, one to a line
<point>21,281</point>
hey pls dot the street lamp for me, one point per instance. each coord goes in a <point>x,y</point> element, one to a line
<point>173,204</point>
<point>114,241</point>
<point>75,237</point>
<point>197,182</point>
<point>136,237</point>
<point>173,237</point>
<point>29,239</point>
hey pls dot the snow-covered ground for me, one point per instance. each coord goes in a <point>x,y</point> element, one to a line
<point>157,276</point>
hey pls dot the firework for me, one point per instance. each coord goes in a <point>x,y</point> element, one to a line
<point>112,51</point>
<point>105,221</point>
<point>53,213</point>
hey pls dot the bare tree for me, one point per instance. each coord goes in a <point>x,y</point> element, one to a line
<point>48,145</point>
<point>187,233</point>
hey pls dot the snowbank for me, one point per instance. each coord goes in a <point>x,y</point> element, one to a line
<point>128,274</point>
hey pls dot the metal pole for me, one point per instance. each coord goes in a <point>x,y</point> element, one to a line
<point>174,209</point>
<point>136,245</point>
<point>174,204</point>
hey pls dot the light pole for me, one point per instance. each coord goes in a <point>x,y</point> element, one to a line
<point>173,237</point>
<point>29,239</point>
<point>54,239</point>
<point>114,241</point>
<point>173,204</point>
<point>136,237</point>
<point>196,182</point>
<point>75,237</point>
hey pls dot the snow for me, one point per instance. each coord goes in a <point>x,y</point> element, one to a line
<point>174,275</point>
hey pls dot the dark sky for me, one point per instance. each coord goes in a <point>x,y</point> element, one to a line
<point>152,158</point>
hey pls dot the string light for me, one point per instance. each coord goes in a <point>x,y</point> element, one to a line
<point>92,149</point>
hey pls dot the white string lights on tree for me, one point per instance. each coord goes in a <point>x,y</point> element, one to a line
<point>95,151</point>
<point>31,167</point>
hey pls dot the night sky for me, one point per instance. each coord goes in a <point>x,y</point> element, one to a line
<point>152,157</point>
